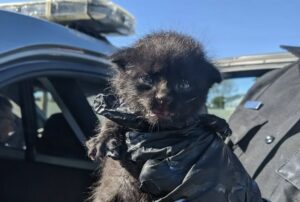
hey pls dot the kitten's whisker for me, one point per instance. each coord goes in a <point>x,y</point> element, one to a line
<point>191,100</point>
<point>151,128</point>
<point>157,127</point>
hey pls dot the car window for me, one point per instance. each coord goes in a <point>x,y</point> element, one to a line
<point>223,98</point>
<point>55,136</point>
<point>91,88</point>
<point>45,102</point>
<point>60,128</point>
<point>11,128</point>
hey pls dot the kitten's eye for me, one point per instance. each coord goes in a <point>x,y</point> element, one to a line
<point>184,85</point>
<point>145,83</point>
<point>147,80</point>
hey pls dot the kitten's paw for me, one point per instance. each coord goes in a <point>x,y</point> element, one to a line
<point>99,148</point>
<point>94,147</point>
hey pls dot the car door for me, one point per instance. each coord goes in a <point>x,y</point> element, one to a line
<point>50,91</point>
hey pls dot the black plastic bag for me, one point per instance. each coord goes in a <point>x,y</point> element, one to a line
<point>189,163</point>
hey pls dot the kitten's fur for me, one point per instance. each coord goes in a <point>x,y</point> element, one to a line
<point>165,77</point>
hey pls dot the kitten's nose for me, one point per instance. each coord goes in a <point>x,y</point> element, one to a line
<point>163,94</point>
<point>163,99</point>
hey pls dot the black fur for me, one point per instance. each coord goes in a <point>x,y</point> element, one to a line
<point>164,77</point>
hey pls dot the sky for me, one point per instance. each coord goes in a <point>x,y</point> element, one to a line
<point>226,28</point>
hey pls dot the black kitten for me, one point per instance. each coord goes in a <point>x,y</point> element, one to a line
<point>165,78</point>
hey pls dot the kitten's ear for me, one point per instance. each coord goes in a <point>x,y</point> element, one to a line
<point>214,75</point>
<point>121,58</point>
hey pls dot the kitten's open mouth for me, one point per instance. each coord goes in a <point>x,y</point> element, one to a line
<point>161,113</point>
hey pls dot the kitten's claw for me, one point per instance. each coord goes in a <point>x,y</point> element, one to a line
<point>92,155</point>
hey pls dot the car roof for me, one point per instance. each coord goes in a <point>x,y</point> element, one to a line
<point>20,31</point>
<point>256,62</point>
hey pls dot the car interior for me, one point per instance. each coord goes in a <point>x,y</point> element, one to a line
<point>45,154</point>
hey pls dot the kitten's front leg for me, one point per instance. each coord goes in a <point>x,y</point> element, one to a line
<point>116,182</point>
<point>107,142</point>
<point>117,185</point>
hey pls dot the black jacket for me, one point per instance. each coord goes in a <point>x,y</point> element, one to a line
<point>266,135</point>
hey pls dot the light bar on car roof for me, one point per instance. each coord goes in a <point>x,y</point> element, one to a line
<point>94,17</point>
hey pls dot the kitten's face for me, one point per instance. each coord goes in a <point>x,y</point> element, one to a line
<point>164,87</point>
<point>165,94</point>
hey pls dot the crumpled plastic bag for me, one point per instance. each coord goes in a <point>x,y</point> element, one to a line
<point>189,164</point>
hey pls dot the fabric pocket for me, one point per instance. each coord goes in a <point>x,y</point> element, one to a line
<point>290,170</point>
